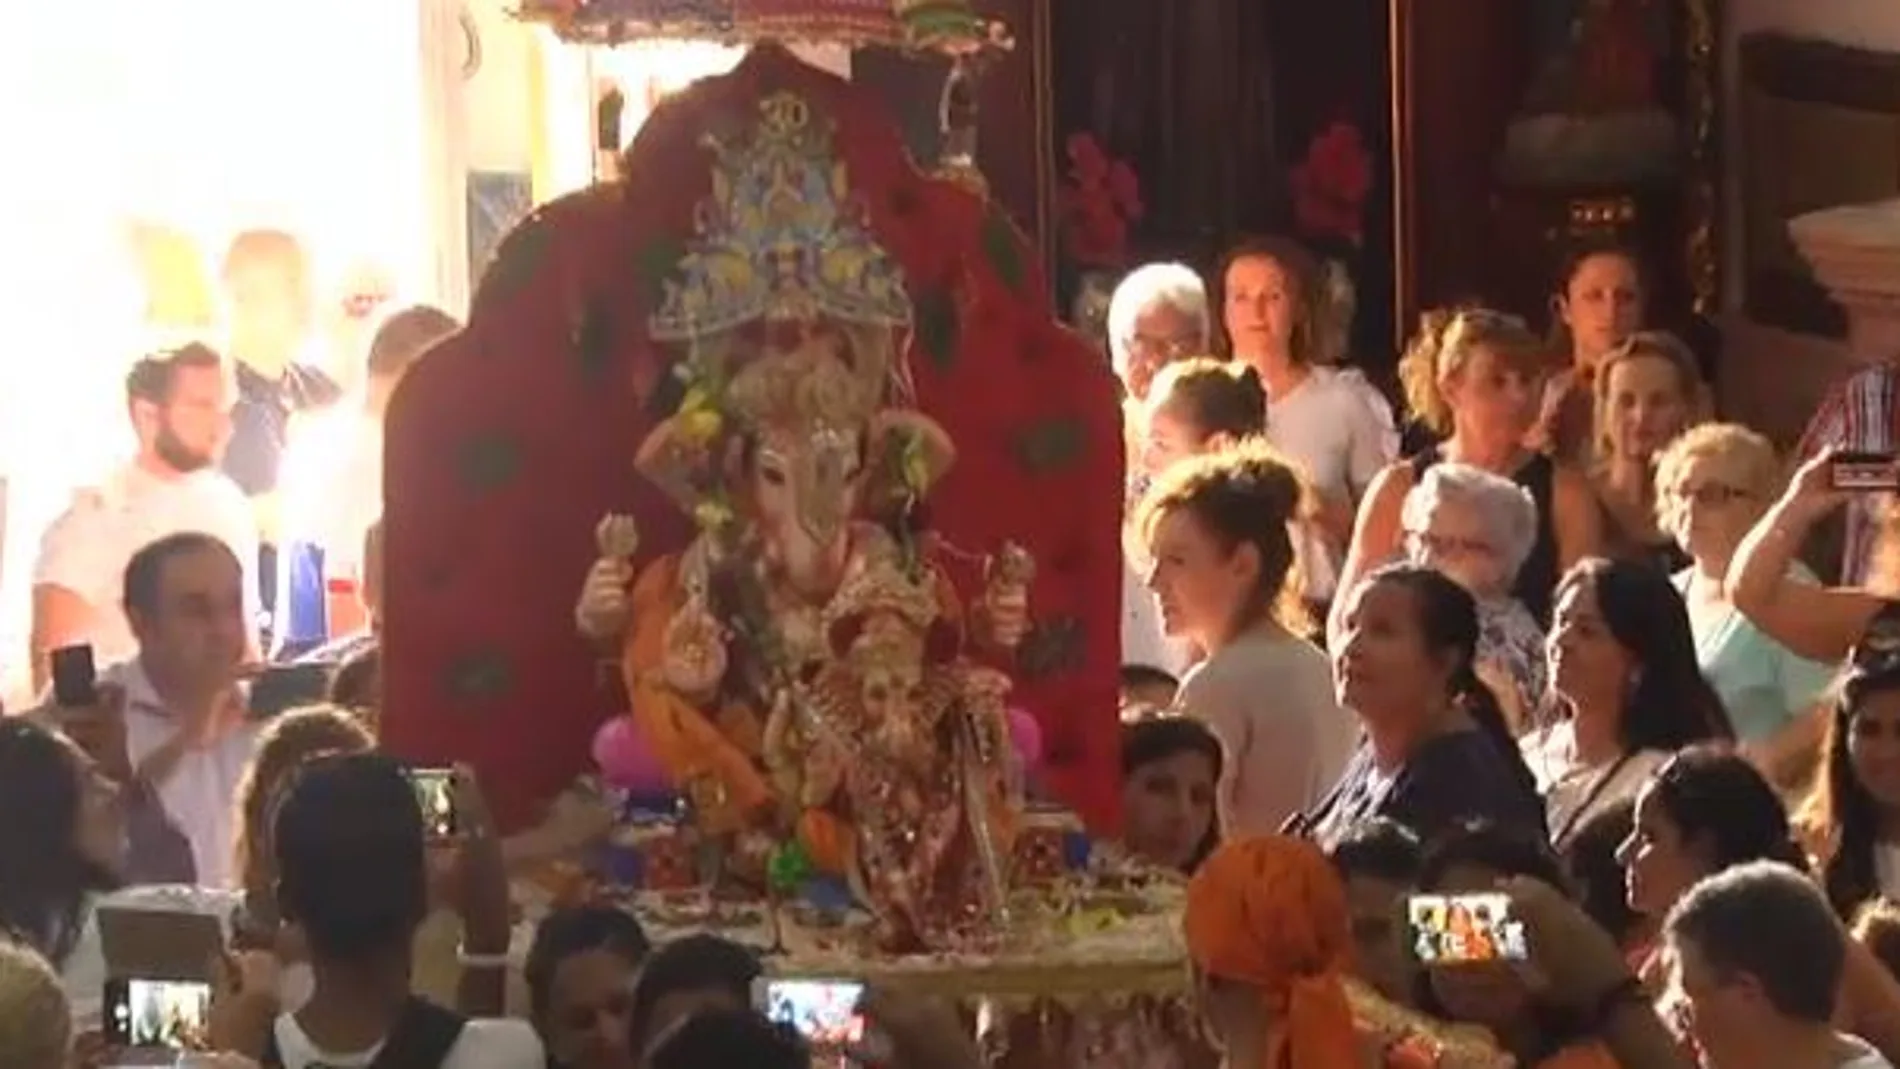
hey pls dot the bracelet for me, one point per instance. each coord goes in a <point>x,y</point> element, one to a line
<point>1625,992</point>
<point>481,961</point>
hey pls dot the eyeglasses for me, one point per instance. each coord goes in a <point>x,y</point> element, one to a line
<point>1445,547</point>
<point>1710,495</point>
<point>1165,348</point>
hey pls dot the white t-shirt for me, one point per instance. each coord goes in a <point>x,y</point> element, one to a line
<point>88,546</point>
<point>486,1043</point>
<point>200,796</point>
<point>1342,434</point>
<point>1269,698</point>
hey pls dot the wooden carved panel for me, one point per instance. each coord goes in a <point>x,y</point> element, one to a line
<point>1820,126</point>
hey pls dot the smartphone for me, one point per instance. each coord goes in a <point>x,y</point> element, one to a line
<point>824,1011</point>
<point>1865,472</point>
<point>1464,928</point>
<point>283,687</point>
<point>158,1015</point>
<point>435,793</point>
<point>75,677</point>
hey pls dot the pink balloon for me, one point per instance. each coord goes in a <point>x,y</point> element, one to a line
<point>627,760</point>
<point>1025,733</point>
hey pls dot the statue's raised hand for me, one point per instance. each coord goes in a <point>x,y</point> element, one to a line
<point>605,605</point>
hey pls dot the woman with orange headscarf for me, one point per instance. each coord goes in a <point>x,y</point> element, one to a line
<point>1270,938</point>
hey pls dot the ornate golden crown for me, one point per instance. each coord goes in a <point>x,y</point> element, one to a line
<point>780,238</point>
<point>813,386</point>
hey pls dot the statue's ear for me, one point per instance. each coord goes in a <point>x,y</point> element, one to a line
<point>907,453</point>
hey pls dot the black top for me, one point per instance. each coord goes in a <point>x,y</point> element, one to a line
<point>260,422</point>
<point>1451,778</point>
<point>1537,577</point>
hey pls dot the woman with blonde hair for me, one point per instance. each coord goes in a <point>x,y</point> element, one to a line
<point>1648,391</point>
<point>1472,376</point>
<point>1712,484</point>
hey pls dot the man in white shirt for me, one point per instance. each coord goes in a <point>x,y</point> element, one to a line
<point>180,407</point>
<point>173,720</point>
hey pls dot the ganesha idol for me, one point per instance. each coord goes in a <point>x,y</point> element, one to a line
<point>804,669</point>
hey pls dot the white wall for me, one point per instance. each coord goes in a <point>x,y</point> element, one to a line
<point>500,104</point>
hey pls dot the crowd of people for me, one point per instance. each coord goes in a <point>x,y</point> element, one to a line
<point>1534,646</point>
<point>1543,631</point>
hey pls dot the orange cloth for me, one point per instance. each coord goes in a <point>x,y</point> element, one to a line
<point>691,745</point>
<point>1270,912</point>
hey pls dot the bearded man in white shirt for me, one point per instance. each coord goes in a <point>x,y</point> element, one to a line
<point>180,406</point>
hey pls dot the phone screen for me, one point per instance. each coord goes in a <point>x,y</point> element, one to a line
<point>158,1014</point>
<point>1864,472</point>
<point>281,688</point>
<point>435,793</point>
<point>1466,928</point>
<point>825,1012</point>
<point>75,677</point>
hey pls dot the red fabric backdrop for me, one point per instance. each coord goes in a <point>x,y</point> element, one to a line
<point>508,443</point>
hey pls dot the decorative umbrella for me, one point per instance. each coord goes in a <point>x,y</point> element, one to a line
<point>945,27</point>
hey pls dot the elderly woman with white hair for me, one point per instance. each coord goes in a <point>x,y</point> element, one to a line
<point>1477,529</point>
<point>1158,315</point>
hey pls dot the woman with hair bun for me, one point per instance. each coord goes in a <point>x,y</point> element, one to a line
<point>1216,528</point>
<point>1437,750</point>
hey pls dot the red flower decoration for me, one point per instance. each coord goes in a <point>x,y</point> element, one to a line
<point>1100,201</point>
<point>1331,184</point>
